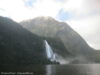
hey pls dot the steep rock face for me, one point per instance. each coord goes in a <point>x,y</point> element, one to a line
<point>18,46</point>
<point>48,27</point>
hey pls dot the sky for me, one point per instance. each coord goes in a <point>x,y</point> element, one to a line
<point>82,15</point>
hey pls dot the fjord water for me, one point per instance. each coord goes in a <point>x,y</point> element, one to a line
<point>71,69</point>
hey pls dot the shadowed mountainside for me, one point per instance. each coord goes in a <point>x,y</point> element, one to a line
<point>18,46</point>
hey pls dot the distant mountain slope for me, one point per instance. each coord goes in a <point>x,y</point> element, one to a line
<point>18,46</point>
<point>74,44</point>
<point>49,27</point>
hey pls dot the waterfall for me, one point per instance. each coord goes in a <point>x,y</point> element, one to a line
<point>49,52</point>
<point>54,57</point>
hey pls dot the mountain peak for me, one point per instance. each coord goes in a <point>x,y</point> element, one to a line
<point>39,20</point>
<point>45,18</point>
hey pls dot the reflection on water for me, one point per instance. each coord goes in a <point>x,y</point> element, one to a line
<point>72,69</point>
<point>79,69</point>
<point>49,70</point>
<point>68,70</point>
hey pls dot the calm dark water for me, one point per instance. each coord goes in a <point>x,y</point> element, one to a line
<point>72,69</point>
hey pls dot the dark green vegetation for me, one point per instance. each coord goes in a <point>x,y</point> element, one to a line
<point>18,46</point>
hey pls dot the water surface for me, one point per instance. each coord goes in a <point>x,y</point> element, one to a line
<point>72,69</point>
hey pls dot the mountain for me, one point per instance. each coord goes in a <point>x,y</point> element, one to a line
<point>24,45</point>
<point>19,46</point>
<point>71,41</point>
<point>49,27</point>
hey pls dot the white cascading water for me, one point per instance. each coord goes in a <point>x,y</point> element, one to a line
<point>54,56</point>
<point>49,52</point>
